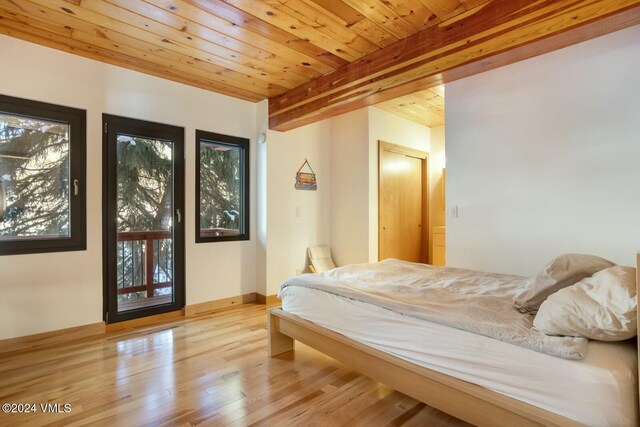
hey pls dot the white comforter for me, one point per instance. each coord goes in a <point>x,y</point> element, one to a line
<point>477,302</point>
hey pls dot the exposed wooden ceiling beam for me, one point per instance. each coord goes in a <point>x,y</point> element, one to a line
<point>491,35</point>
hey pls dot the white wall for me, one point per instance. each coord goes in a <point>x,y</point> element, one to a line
<point>43,292</point>
<point>262,132</point>
<point>384,126</point>
<point>438,162</point>
<point>354,171</point>
<point>542,158</point>
<point>343,213</point>
<point>66,288</point>
<point>350,187</point>
<point>437,181</point>
<point>388,127</point>
<point>296,219</point>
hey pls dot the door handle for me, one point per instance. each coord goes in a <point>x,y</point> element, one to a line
<point>76,187</point>
<point>3,201</point>
<point>179,215</point>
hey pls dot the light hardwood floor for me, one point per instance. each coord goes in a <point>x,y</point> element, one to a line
<point>210,370</point>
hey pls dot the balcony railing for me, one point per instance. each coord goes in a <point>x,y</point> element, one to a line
<point>209,232</point>
<point>145,262</point>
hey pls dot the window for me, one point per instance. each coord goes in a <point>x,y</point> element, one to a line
<point>143,218</point>
<point>42,175</point>
<point>222,187</point>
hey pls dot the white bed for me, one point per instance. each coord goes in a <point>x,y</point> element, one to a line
<point>600,390</point>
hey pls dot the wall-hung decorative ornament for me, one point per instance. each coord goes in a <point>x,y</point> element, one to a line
<point>306,180</point>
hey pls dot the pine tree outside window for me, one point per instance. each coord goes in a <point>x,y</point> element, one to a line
<point>42,177</point>
<point>222,187</point>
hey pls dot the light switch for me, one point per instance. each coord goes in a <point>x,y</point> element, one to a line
<point>452,211</point>
<point>298,212</point>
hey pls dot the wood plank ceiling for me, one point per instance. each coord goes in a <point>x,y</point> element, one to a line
<point>250,49</point>
<point>311,58</point>
<point>425,107</point>
<point>497,33</point>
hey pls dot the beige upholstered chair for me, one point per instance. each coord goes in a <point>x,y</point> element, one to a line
<point>320,259</point>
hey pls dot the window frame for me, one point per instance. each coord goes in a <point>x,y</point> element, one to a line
<point>77,121</point>
<point>113,125</point>
<point>243,144</point>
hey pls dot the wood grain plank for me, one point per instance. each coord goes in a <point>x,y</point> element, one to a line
<point>179,66</point>
<point>117,42</point>
<point>467,401</point>
<point>199,309</point>
<point>211,370</point>
<point>381,412</point>
<point>374,33</point>
<point>341,10</point>
<point>316,19</point>
<point>385,16</point>
<point>27,12</point>
<point>414,12</point>
<point>470,4</point>
<point>437,90</point>
<point>349,47</point>
<point>31,342</point>
<point>423,46</point>
<point>102,13</point>
<point>444,9</point>
<point>297,52</point>
<point>415,113</point>
<point>188,18</point>
<point>432,56</point>
<point>242,19</point>
<point>27,33</point>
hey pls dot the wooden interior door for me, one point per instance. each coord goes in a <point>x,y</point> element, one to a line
<point>402,203</point>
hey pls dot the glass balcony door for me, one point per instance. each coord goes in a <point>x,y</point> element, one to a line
<point>144,218</point>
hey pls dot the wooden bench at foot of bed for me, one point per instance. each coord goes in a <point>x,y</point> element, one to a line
<point>463,400</point>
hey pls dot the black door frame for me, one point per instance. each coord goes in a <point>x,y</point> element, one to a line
<point>112,125</point>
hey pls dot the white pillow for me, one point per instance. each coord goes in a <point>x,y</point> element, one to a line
<point>562,271</point>
<point>601,307</point>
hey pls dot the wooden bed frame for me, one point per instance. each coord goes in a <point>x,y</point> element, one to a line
<point>461,399</point>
